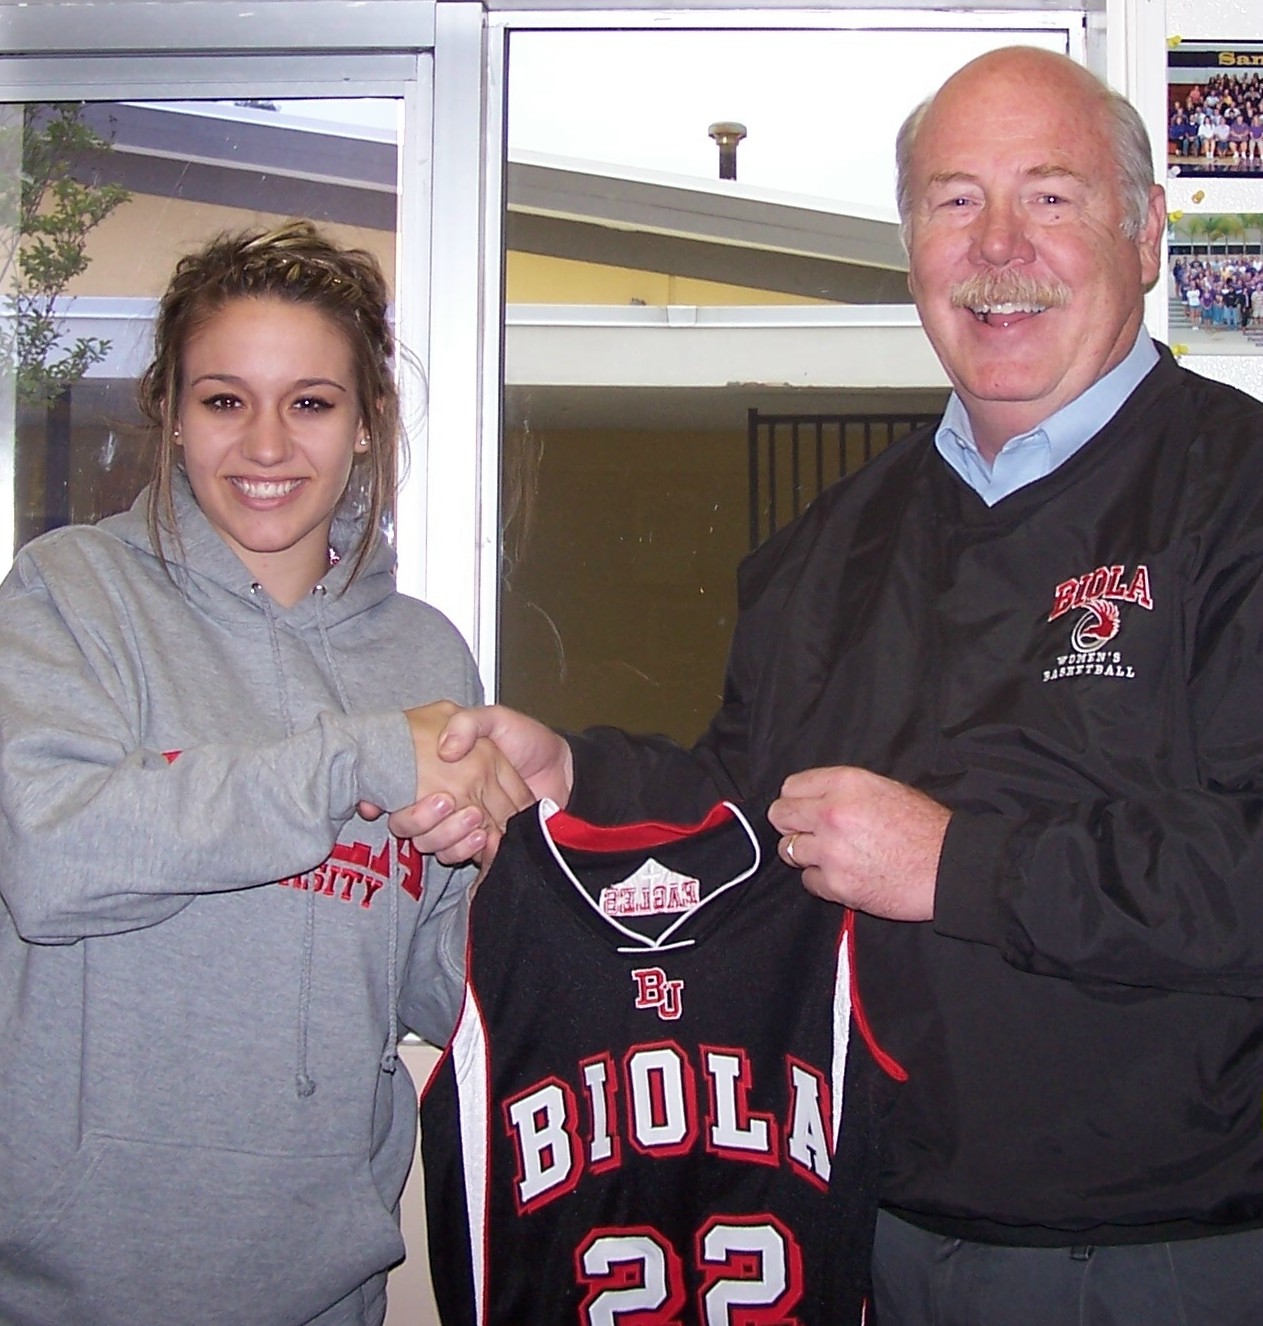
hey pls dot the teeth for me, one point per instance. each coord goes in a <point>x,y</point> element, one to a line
<point>266,488</point>
<point>1007,308</point>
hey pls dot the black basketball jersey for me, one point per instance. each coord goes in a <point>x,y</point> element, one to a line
<point>660,1105</point>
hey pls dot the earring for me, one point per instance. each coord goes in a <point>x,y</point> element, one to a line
<point>362,443</point>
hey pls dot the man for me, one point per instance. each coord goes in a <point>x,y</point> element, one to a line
<point>1009,679</point>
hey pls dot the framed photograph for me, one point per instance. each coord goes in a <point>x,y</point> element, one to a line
<point>1215,282</point>
<point>1215,108</point>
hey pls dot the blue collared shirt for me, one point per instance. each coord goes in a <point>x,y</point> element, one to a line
<point>1034,454</point>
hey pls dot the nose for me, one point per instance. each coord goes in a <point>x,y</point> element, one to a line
<point>1001,235</point>
<point>265,439</point>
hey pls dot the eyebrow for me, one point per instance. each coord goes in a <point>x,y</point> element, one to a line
<point>301,384</point>
<point>1049,170</point>
<point>1054,171</point>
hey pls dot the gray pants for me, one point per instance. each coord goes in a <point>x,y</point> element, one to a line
<point>922,1279</point>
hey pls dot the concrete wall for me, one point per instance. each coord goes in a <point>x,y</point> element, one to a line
<point>619,557</point>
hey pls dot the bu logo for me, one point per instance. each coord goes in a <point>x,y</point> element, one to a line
<point>653,990</point>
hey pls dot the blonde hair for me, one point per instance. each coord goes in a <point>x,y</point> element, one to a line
<point>297,264</point>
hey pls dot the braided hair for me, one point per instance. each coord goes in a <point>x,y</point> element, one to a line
<point>299,265</point>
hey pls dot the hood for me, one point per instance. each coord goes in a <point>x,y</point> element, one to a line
<point>218,583</point>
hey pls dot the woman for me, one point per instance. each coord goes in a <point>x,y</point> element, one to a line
<point>205,950</point>
<point>1193,301</point>
<point>1206,134</point>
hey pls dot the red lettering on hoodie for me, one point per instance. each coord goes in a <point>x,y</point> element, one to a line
<point>354,867</point>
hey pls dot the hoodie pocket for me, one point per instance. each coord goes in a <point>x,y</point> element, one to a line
<point>149,1234</point>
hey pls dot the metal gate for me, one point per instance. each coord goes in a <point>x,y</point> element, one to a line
<point>794,456</point>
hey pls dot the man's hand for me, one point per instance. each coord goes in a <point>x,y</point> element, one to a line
<point>538,762</point>
<point>539,755</point>
<point>862,840</point>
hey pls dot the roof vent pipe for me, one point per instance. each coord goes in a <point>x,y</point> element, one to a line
<point>727,133</point>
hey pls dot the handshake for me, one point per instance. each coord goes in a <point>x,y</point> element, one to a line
<point>856,837</point>
<point>476,768</point>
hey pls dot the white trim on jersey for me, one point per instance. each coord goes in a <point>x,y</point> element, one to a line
<point>663,943</point>
<point>841,1030</point>
<point>470,1059</point>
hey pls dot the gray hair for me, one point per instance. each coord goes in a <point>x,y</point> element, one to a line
<point>1133,156</point>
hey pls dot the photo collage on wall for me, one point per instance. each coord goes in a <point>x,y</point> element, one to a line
<point>1215,253</point>
<point>1215,108</point>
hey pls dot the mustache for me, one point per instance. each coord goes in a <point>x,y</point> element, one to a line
<point>987,289</point>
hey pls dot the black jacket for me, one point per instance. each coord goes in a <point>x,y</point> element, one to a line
<point>1078,673</point>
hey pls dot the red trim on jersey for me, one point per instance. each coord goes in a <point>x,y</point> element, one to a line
<point>171,755</point>
<point>568,831</point>
<point>885,1061</point>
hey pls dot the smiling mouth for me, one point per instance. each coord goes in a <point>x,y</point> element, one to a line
<point>1006,297</point>
<point>264,489</point>
<point>1001,314</point>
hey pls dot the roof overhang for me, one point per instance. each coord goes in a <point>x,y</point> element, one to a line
<point>798,348</point>
<point>712,229</point>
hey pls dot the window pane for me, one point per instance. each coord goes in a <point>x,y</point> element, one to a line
<point>100,200</point>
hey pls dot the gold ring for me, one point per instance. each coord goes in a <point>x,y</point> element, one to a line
<point>789,848</point>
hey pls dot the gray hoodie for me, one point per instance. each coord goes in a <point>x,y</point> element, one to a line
<point>201,1115</point>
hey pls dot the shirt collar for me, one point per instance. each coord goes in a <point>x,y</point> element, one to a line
<point>1036,453</point>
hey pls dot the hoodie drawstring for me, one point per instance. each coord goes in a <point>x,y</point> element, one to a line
<point>390,1053</point>
<point>303,1083</point>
